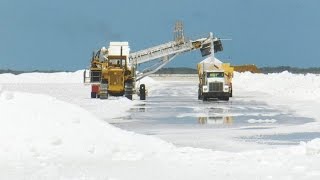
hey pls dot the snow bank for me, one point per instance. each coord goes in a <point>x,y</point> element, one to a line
<point>312,147</point>
<point>150,83</point>
<point>303,87</point>
<point>60,77</point>
<point>298,92</point>
<point>44,123</point>
<point>211,60</point>
<point>147,80</point>
<point>40,134</point>
<point>53,78</point>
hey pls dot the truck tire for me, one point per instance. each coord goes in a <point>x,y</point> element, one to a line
<point>204,98</point>
<point>142,91</point>
<point>128,89</point>
<point>225,98</point>
<point>104,91</point>
<point>93,95</point>
<point>199,94</point>
<point>104,96</point>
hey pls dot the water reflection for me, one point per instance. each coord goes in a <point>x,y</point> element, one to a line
<point>211,114</point>
<point>139,108</point>
<point>215,116</point>
<point>283,139</point>
<point>227,120</point>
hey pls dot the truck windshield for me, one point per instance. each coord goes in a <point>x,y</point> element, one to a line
<point>116,62</point>
<point>215,74</point>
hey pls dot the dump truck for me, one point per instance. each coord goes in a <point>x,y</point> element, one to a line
<point>215,79</point>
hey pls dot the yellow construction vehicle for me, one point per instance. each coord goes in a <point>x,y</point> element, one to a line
<point>111,73</point>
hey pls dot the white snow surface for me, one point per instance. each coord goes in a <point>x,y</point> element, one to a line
<point>300,92</point>
<point>42,137</point>
<point>297,86</point>
<point>45,78</point>
<point>211,60</point>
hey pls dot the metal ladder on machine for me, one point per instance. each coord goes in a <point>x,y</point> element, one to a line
<point>164,53</point>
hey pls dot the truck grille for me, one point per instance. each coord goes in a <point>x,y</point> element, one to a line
<point>216,87</point>
<point>116,78</point>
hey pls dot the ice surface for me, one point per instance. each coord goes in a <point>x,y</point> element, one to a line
<point>44,78</point>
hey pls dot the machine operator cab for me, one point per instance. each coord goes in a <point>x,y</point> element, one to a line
<point>117,62</point>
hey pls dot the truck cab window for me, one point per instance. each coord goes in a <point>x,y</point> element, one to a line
<point>215,74</point>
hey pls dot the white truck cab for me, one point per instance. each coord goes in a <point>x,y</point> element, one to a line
<point>214,84</point>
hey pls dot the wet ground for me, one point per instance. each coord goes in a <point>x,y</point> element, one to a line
<point>174,113</point>
<point>193,112</point>
<point>284,139</point>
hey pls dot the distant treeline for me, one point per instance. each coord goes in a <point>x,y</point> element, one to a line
<point>264,70</point>
<point>314,70</point>
<point>185,70</point>
<point>177,70</point>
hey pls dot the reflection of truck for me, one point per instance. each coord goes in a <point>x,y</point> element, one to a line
<point>215,79</point>
<point>217,116</point>
<point>226,120</point>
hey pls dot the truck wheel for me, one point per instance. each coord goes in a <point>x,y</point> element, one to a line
<point>93,95</point>
<point>199,95</point>
<point>104,96</point>
<point>128,89</point>
<point>104,91</point>
<point>142,90</point>
<point>225,98</point>
<point>204,98</point>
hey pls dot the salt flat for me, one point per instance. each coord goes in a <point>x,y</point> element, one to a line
<point>50,129</point>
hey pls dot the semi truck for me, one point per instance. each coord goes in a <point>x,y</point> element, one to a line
<point>215,79</point>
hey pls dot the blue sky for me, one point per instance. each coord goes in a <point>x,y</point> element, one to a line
<point>61,34</point>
